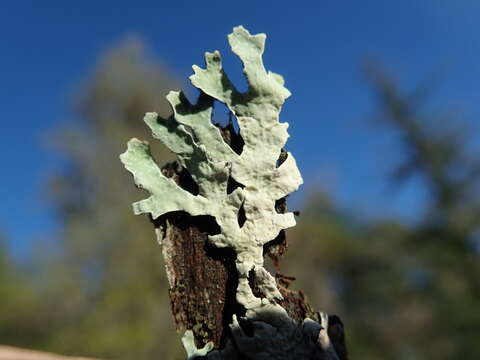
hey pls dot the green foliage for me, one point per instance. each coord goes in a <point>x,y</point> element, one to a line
<point>18,317</point>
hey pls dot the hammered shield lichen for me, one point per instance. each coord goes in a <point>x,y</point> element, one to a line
<point>202,151</point>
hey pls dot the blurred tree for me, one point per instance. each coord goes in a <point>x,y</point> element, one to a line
<point>18,311</point>
<point>108,288</point>
<point>444,242</point>
<point>405,292</point>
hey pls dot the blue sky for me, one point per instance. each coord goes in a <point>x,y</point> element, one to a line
<point>47,48</point>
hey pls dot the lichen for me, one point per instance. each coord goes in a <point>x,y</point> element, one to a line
<point>188,342</point>
<point>200,148</point>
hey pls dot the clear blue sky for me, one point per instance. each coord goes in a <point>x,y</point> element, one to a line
<point>49,46</point>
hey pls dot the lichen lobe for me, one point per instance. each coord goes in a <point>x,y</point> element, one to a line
<point>213,165</point>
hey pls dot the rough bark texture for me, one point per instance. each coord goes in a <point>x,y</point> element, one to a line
<point>203,278</point>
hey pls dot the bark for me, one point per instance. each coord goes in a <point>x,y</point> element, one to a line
<point>203,282</point>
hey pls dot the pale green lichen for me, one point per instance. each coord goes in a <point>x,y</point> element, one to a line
<point>201,149</point>
<point>188,342</point>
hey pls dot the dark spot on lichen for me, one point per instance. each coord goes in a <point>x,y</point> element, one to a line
<point>282,157</point>
<point>241,217</point>
<point>231,135</point>
<point>182,177</point>
<point>232,184</point>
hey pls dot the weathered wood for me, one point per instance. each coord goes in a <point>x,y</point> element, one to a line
<point>203,279</point>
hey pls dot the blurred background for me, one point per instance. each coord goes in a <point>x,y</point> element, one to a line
<point>384,124</point>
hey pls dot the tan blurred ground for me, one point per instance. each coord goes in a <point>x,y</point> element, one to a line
<point>12,353</point>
